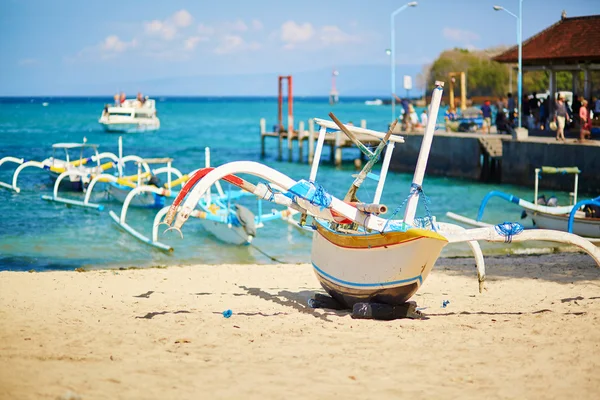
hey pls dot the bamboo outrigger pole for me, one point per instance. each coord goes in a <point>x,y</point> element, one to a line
<point>413,200</point>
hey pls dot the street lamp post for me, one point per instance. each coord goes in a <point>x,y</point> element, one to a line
<point>520,43</point>
<point>393,53</point>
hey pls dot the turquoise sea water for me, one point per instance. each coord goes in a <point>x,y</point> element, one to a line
<point>40,235</point>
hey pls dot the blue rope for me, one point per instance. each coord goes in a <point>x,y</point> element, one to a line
<point>321,197</point>
<point>508,230</point>
<point>414,188</point>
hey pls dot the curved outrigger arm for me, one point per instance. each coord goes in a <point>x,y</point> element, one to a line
<point>14,160</point>
<point>121,220</point>
<point>20,168</point>
<point>57,198</point>
<point>560,210</point>
<point>446,228</point>
<point>490,234</point>
<point>206,180</point>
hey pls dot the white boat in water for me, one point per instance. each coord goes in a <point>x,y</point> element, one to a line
<point>579,218</point>
<point>130,116</point>
<point>376,102</point>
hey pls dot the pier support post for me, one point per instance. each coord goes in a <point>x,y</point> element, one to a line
<point>338,149</point>
<point>263,130</point>
<point>301,135</point>
<point>311,140</point>
<point>290,136</point>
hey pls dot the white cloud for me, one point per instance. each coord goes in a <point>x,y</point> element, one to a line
<point>206,30</point>
<point>256,25</point>
<point>293,33</point>
<point>235,43</point>
<point>237,25</point>
<point>191,42</point>
<point>182,19</point>
<point>162,29</point>
<point>460,35</point>
<point>112,44</point>
<point>167,29</point>
<point>332,34</point>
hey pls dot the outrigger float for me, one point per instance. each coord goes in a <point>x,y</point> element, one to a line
<point>218,213</point>
<point>358,256</point>
<point>578,218</point>
<point>67,170</point>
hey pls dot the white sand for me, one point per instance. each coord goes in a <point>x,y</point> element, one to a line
<point>534,334</point>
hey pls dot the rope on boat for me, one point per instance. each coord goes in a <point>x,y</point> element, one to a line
<point>508,230</point>
<point>314,193</point>
<point>420,222</point>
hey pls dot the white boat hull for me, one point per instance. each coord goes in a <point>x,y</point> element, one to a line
<point>585,227</point>
<point>234,235</point>
<point>384,268</point>
<point>130,127</point>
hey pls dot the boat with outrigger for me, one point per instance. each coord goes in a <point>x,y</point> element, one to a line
<point>69,172</point>
<point>581,218</point>
<point>359,257</point>
<point>219,213</point>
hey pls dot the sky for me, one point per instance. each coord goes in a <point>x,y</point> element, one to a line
<point>238,47</point>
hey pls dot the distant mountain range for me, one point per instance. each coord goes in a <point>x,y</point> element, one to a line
<point>355,81</point>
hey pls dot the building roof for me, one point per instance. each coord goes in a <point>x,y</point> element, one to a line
<point>569,41</point>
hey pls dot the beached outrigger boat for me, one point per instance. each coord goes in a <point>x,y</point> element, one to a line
<point>68,171</point>
<point>218,213</point>
<point>130,116</point>
<point>359,256</point>
<point>578,218</point>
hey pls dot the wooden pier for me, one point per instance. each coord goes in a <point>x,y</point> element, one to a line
<point>337,141</point>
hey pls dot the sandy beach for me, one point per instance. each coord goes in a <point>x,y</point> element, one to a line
<point>160,334</point>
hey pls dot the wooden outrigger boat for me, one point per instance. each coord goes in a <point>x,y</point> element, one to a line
<point>119,186</point>
<point>218,213</point>
<point>544,214</point>
<point>358,256</point>
<point>67,171</point>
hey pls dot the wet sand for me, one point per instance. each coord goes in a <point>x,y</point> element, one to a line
<point>161,334</point>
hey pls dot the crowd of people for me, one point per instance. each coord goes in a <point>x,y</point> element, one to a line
<point>120,100</point>
<point>538,113</point>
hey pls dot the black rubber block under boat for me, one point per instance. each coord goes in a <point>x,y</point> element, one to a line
<point>386,312</point>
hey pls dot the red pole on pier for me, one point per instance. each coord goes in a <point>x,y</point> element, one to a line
<point>290,105</point>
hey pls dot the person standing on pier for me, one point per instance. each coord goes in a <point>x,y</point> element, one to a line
<point>511,107</point>
<point>585,122</point>
<point>560,117</point>
<point>486,111</point>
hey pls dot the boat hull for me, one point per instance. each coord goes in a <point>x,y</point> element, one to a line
<point>384,268</point>
<point>585,227</point>
<point>130,127</point>
<point>72,183</point>
<point>143,199</point>
<point>234,235</point>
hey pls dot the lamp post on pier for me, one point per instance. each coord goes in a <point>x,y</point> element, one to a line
<point>392,52</point>
<point>520,43</point>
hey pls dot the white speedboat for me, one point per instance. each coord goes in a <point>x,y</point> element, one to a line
<point>130,116</point>
<point>376,102</point>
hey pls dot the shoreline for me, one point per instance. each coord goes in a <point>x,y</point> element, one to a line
<point>156,333</point>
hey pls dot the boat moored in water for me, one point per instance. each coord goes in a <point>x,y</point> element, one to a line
<point>130,116</point>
